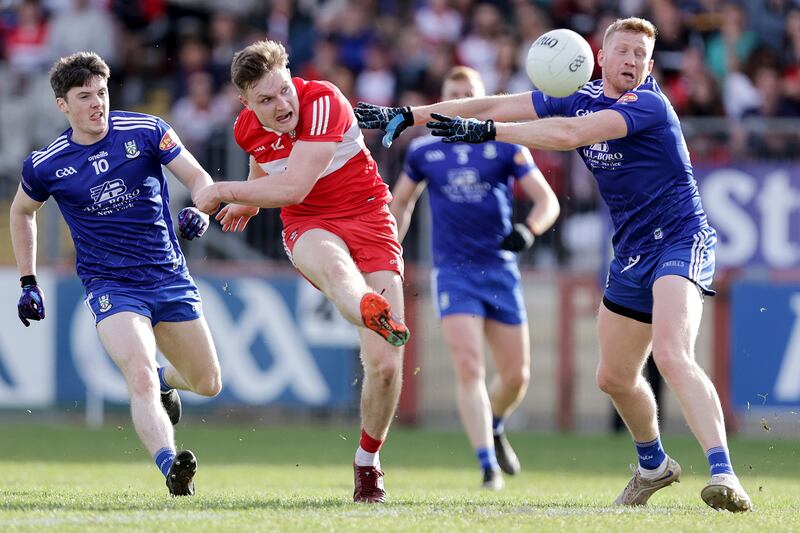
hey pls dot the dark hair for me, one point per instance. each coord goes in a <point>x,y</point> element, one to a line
<point>76,70</point>
<point>252,63</point>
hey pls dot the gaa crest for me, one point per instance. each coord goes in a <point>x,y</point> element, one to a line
<point>104,303</point>
<point>131,150</point>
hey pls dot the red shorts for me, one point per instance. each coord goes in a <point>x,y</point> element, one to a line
<point>371,238</point>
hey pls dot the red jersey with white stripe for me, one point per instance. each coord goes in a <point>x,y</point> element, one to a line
<point>350,185</point>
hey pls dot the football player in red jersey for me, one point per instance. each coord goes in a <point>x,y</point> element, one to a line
<point>307,156</point>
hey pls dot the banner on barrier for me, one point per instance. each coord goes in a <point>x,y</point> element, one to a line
<point>765,345</point>
<point>279,341</point>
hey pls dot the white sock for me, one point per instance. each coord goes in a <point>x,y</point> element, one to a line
<point>656,472</point>
<point>365,458</point>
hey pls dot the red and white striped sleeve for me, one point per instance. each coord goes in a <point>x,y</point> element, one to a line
<point>325,114</point>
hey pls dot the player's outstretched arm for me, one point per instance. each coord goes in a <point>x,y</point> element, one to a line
<point>395,120</point>
<point>404,197</point>
<point>23,240</point>
<point>306,164</point>
<point>558,133</point>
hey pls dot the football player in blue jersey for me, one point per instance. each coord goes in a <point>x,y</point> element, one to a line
<point>628,135</point>
<point>476,279</point>
<point>105,174</point>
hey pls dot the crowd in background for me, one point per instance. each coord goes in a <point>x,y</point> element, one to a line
<point>725,65</point>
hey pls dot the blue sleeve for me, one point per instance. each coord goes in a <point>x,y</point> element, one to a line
<point>411,166</point>
<point>547,106</point>
<point>641,110</point>
<point>521,161</point>
<point>169,145</point>
<point>31,184</point>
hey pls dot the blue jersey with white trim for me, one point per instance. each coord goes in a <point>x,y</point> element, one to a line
<point>470,191</point>
<point>646,177</point>
<point>113,196</point>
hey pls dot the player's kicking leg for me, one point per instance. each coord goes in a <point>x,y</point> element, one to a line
<point>380,392</point>
<point>510,346</point>
<point>324,259</point>
<point>129,340</point>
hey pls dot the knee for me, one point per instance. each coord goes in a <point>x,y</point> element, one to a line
<point>143,382</point>
<point>469,368</point>
<point>517,380</point>
<point>209,385</point>
<point>388,367</point>
<point>672,362</point>
<point>611,382</point>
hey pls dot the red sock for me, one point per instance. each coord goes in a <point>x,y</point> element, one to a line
<point>368,444</point>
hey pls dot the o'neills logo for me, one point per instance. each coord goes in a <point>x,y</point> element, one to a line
<point>627,97</point>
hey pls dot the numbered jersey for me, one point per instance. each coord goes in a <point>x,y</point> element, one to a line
<point>470,188</point>
<point>350,185</point>
<point>114,198</point>
<point>646,177</point>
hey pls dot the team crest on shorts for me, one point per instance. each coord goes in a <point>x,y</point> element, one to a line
<point>131,149</point>
<point>104,303</point>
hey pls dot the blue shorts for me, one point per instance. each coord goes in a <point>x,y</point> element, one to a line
<point>178,301</point>
<point>491,292</point>
<point>629,287</point>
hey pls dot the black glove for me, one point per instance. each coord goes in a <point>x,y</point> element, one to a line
<point>192,223</point>
<point>31,303</point>
<point>392,120</point>
<point>519,239</point>
<point>461,130</point>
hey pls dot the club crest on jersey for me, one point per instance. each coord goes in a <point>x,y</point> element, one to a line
<point>108,190</point>
<point>627,97</point>
<point>131,151</point>
<point>167,142</point>
<point>104,303</point>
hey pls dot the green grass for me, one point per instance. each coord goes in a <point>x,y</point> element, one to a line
<point>277,479</point>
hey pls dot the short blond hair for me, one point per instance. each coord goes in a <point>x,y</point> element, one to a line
<point>252,63</point>
<point>631,24</point>
<point>462,73</point>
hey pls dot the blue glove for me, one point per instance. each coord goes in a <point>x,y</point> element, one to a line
<point>521,238</point>
<point>31,303</point>
<point>392,120</point>
<point>192,223</point>
<point>461,130</point>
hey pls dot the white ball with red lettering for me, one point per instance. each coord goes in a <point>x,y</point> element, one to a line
<point>560,62</point>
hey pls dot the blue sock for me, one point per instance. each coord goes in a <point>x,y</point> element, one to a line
<point>165,387</point>
<point>487,458</point>
<point>164,458</point>
<point>651,454</point>
<point>498,424</point>
<point>719,461</point>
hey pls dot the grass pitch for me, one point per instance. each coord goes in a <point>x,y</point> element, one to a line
<point>276,479</point>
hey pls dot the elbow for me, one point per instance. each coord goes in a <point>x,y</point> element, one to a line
<point>297,196</point>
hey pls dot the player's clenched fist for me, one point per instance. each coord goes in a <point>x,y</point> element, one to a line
<point>192,223</point>
<point>31,302</point>
<point>207,199</point>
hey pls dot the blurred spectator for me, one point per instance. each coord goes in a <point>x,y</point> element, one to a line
<point>26,45</point>
<point>479,48</point>
<point>438,22</point>
<point>288,23</point>
<point>766,19</point>
<point>199,114</point>
<point>355,35</point>
<point>791,39</point>
<point>226,39</point>
<point>85,26</point>
<point>730,48</point>
<point>673,38</point>
<point>376,83</point>
<point>531,22</point>
<point>193,56</point>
